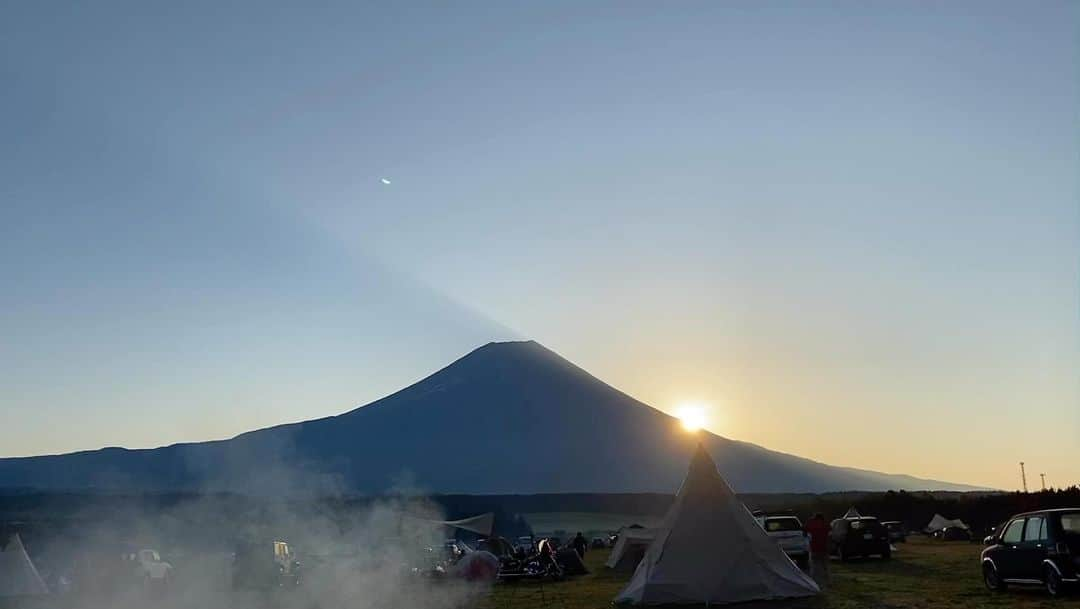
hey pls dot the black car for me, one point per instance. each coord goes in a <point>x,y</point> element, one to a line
<point>1037,548</point>
<point>896,530</point>
<point>861,536</point>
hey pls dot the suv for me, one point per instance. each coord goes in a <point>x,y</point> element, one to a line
<point>788,533</point>
<point>861,536</point>
<point>1037,548</point>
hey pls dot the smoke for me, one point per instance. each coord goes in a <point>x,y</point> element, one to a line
<point>352,552</point>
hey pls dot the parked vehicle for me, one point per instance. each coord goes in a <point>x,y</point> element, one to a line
<point>895,528</point>
<point>788,533</point>
<point>953,534</point>
<point>860,536</point>
<point>264,565</point>
<point>1035,548</point>
<point>148,568</point>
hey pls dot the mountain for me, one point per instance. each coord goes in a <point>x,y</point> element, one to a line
<point>506,418</point>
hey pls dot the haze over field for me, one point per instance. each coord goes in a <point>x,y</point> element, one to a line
<point>810,221</point>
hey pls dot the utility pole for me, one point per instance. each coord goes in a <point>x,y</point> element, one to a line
<point>1023,476</point>
<point>1043,476</point>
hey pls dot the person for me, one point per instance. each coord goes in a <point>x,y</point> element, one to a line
<point>580,545</point>
<point>818,530</point>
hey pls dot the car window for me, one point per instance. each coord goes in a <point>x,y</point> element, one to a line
<point>774,525</point>
<point>1035,529</point>
<point>1070,523</point>
<point>1014,532</point>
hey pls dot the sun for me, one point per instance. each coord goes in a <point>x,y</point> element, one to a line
<point>692,416</point>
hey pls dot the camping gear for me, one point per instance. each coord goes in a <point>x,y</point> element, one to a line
<point>477,567</point>
<point>570,561</point>
<point>711,551</point>
<point>939,522</point>
<point>482,524</point>
<point>630,547</point>
<point>18,576</point>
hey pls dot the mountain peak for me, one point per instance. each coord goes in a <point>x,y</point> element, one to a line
<point>500,358</point>
<point>508,417</point>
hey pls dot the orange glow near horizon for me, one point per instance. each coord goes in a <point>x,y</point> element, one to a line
<point>691,415</point>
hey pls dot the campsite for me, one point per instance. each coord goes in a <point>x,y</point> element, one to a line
<point>707,549</point>
<point>541,304</point>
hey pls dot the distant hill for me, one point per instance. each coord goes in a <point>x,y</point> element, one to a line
<point>506,418</point>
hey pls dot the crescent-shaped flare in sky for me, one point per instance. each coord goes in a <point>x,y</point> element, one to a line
<point>384,181</point>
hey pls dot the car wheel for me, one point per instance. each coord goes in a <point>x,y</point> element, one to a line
<point>1053,581</point>
<point>991,578</point>
<point>887,553</point>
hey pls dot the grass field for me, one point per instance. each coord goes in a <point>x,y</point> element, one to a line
<point>922,574</point>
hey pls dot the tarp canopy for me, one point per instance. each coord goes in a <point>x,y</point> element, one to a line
<point>630,548</point>
<point>939,522</point>
<point>482,524</point>
<point>18,576</point>
<point>852,513</point>
<point>711,551</point>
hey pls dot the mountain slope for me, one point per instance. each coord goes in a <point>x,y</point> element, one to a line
<point>506,418</point>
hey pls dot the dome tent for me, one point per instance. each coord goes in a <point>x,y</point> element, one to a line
<point>629,549</point>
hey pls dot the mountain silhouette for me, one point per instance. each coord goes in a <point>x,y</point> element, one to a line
<point>506,418</point>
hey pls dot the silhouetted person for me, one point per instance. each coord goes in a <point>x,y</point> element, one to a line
<point>580,545</point>
<point>818,530</point>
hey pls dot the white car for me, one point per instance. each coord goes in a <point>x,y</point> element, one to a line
<point>788,532</point>
<point>149,568</point>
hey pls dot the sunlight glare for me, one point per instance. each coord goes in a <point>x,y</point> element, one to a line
<point>692,416</point>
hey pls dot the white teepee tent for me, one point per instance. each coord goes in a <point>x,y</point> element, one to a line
<point>18,577</point>
<point>852,513</point>
<point>711,551</point>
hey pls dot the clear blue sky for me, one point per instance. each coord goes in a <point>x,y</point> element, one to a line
<point>791,212</point>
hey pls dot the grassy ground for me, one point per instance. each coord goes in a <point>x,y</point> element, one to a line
<point>923,574</point>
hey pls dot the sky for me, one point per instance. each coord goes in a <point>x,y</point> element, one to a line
<point>850,230</point>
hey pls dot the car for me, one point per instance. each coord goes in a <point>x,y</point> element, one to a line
<point>859,536</point>
<point>789,534</point>
<point>265,565</point>
<point>148,568</point>
<point>896,530</point>
<point>1040,548</point>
